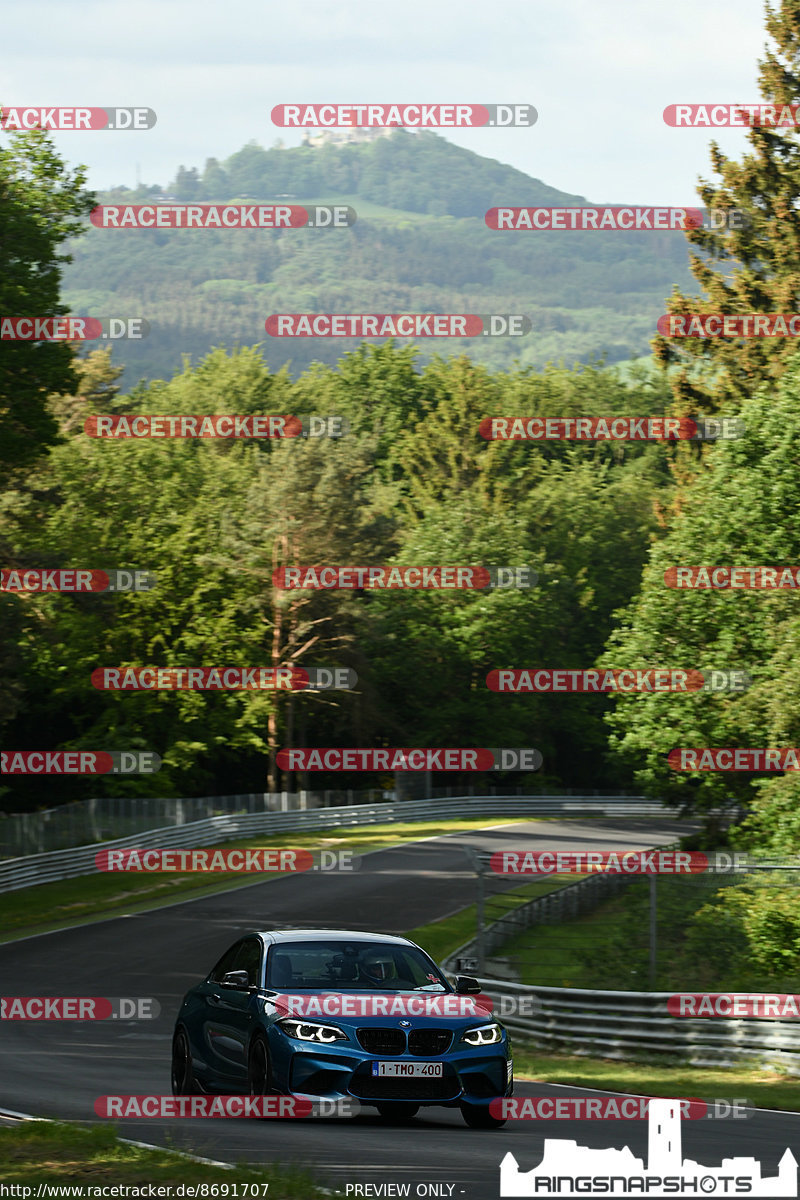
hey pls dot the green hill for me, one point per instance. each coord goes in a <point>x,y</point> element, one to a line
<point>419,244</point>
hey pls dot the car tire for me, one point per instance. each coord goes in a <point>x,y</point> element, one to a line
<point>398,1112</point>
<point>182,1074</point>
<point>477,1116</point>
<point>259,1069</point>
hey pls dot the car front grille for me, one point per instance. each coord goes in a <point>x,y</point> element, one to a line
<point>429,1041</point>
<point>377,1040</point>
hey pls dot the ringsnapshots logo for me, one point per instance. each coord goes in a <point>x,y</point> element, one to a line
<point>616,862</point>
<point>729,325</point>
<point>79,762</point>
<point>397,325</point>
<point>659,679</point>
<point>567,1169</point>
<point>79,1008</point>
<point>428,578</point>
<point>413,759</point>
<point>224,679</point>
<point>223,216</point>
<point>73,579</point>
<point>727,578</point>
<point>201,1107</point>
<point>258,860</point>
<point>72,329</point>
<point>710,116</point>
<point>729,758</point>
<point>407,116</point>
<point>613,429</point>
<point>59,120</point>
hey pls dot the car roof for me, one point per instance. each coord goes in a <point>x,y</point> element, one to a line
<point>330,935</point>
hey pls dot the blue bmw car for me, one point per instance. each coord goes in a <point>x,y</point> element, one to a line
<point>335,1015</point>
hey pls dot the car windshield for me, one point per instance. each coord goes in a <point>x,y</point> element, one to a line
<point>351,966</point>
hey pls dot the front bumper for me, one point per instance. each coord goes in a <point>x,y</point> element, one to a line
<point>472,1076</point>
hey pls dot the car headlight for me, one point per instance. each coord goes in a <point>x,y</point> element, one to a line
<point>483,1035</point>
<point>311,1031</point>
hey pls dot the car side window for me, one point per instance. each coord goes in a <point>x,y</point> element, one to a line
<point>225,964</point>
<point>249,959</point>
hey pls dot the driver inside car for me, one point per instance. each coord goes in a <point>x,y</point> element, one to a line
<point>378,969</point>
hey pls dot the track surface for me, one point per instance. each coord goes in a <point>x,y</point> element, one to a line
<point>58,1069</point>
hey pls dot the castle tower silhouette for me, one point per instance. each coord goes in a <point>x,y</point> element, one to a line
<point>664,1137</point>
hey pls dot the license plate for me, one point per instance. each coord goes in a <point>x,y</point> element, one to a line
<point>408,1069</point>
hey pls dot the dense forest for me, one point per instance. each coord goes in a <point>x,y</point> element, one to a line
<point>411,482</point>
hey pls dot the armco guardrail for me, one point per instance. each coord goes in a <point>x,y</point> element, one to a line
<point>622,1025</point>
<point>103,818</point>
<point>25,872</point>
<point>562,904</point>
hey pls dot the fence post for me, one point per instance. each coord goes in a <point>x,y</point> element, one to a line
<point>653,932</point>
<point>480,938</point>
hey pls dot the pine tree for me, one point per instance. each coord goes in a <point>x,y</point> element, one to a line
<point>754,268</point>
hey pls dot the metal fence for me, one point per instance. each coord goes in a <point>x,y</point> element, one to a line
<point>612,1023</point>
<point>70,863</point>
<point>562,904</point>
<point>626,1025</point>
<point>99,819</point>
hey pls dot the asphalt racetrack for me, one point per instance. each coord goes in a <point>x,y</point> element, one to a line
<point>58,1069</point>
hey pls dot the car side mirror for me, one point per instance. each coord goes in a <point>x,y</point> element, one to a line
<point>236,979</point>
<point>467,986</point>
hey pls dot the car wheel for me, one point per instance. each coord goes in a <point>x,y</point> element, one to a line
<point>259,1069</point>
<point>183,1080</point>
<point>397,1112</point>
<point>477,1116</point>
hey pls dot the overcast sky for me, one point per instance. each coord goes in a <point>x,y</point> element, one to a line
<point>599,72</point>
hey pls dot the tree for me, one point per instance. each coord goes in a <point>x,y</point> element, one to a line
<point>41,204</point>
<point>578,515</point>
<point>312,502</point>
<point>740,510</point>
<point>752,269</point>
<point>214,183</point>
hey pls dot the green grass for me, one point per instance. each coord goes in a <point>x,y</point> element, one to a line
<point>549,954</point>
<point>763,1087</point>
<point>55,1152</point>
<point>441,938</point>
<point>609,946</point>
<point>50,906</point>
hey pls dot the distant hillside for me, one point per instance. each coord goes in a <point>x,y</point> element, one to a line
<point>419,174</point>
<point>420,244</point>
